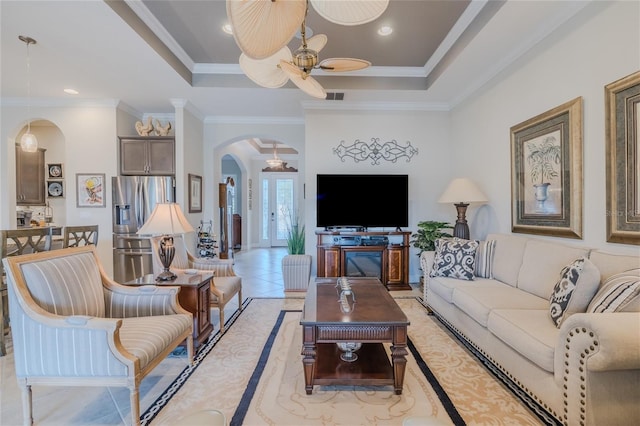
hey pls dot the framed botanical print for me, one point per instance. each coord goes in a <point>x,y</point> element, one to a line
<point>546,172</point>
<point>622,108</point>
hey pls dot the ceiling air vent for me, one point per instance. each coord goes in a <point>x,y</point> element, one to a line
<point>333,96</point>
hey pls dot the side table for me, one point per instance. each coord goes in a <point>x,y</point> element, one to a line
<point>194,296</point>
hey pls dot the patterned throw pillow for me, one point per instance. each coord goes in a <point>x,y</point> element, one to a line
<point>619,293</point>
<point>572,293</point>
<point>484,259</point>
<point>454,258</point>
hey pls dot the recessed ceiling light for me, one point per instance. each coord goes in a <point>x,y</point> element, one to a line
<point>71,91</point>
<point>385,30</point>
<point>227,28</point>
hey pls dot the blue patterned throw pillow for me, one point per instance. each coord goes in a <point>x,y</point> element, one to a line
<point>454,258</point>
<point>574,290</point>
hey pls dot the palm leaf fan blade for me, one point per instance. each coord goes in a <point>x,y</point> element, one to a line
<point>261,28</point>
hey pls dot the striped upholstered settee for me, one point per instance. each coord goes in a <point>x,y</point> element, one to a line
<point>73,326</point>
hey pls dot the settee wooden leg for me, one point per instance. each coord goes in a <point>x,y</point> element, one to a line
<point>221,309</point>
<point>240,299</point>
<point>27,406</point>
<point>134,398</point>
<point>190,349</point>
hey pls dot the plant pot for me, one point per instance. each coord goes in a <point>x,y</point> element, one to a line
<point>296,272</point>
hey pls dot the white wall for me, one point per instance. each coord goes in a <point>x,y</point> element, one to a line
<point>598,46</point>
<point>90,146</point>
<point>429,170</point>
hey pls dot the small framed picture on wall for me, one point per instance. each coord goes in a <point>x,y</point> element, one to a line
<point>55,170</point>
<point>90,190</point>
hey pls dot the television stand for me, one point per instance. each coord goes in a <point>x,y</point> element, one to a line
<point>382,255</point>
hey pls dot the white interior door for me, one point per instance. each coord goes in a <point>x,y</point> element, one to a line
<point>279,201</point>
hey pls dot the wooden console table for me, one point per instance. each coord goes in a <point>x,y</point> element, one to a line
<point>387,253</point>
<point>194,296</point>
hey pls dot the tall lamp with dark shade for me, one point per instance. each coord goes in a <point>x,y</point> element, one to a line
<point>167,220</point>
<point>461,192</point>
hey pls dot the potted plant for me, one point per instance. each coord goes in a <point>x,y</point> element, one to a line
<point>296,265</point>
<point>428,232</point>
<point>425,237</point>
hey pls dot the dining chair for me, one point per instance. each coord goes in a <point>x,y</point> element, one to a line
<point>83,235</point>
<point>15,242</point>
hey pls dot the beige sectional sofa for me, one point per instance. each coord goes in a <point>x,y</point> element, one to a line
<point>587,371</point>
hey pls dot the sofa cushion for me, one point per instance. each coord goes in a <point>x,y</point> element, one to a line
<point>542,261</point>
<point>454,258</point>
<point>478,302</point>
<point>444,287</point>
<point>67,285</point>
<point>574,290</point>
<point>529,332</point>
<point>619,293</point>
<point>508,257</point>
<point>484,259</point>
<point>610,264</point>
<point>146,337</point>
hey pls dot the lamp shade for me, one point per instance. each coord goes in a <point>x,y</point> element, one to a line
<point>462,190</point>
<point>166,219</point>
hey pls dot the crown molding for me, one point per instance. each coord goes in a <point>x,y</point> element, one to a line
<point>138,7</point>
<point>375,106</point>
<point>253,120</point>
<point>59,102</point>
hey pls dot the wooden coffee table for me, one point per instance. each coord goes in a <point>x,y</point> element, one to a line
<point>376,319</point>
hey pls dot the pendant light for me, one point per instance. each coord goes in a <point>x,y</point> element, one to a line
<point>275,162</point>
<point>28,142</point>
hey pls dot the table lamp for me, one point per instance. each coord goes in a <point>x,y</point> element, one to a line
<point>461,192</point>
<point>167,220</point>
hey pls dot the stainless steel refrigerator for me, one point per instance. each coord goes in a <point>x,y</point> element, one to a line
<point>134,198</point>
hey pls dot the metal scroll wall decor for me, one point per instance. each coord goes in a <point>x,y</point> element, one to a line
<point>375,151</point>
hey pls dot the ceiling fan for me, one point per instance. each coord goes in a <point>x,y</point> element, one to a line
<point>262,30</point>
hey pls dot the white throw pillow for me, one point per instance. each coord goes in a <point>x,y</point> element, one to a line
<point>484,259</point>
<point>574,290</point>
<point>454,258</point>
<point>619,293</point>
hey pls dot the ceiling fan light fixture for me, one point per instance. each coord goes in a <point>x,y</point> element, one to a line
<point>305,59</point>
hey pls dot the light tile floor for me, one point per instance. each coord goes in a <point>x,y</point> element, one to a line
<point>261,274</point>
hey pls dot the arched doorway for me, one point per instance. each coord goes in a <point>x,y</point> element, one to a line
<point>53,183</point>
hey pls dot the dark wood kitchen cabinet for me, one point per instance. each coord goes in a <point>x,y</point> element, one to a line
<point>147,155</point>
<point>30,187</point>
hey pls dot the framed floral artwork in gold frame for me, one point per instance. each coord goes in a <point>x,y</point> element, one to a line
<point>622,109</point>
<point>546,173</point>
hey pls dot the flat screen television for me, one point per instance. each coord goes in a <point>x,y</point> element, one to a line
<point>367,201</point>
